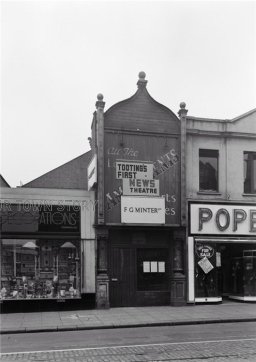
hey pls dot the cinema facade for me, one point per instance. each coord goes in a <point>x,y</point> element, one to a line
<point>138,146</point>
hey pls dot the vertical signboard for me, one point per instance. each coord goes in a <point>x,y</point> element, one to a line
<point>92,172</point>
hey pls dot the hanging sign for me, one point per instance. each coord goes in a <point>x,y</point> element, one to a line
<point>137,187</point>
<point>134,170</point>
<point>142,210</point>
<point>206,265</point>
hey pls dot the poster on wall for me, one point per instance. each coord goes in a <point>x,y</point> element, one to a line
<point>206,265</point>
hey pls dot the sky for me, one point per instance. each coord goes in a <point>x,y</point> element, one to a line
<point>56,56</point>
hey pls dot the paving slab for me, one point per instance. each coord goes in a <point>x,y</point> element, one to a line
<point>126,317</point>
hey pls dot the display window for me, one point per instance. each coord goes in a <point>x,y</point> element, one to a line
<point>35,269</point>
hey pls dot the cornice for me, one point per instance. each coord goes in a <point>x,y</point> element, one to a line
<point>202,133</point>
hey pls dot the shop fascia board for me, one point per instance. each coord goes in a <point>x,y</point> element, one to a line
<point>227,240</point>
<point>66,197</point>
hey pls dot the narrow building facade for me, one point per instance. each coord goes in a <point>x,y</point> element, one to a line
<point>137,147</point>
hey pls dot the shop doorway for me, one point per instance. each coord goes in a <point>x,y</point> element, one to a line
<point>238,272</point>
<point>225,270</point>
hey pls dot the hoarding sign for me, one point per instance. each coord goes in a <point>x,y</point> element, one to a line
<point>142,210</point>
<point>162,165</point>
<point>222,219</point>
<point>134,170</point>
<point>92,172</point>
<point>136,187</point>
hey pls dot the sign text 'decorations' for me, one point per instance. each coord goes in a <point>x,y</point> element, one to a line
<point>142,210</point>
<point>134,170</point>
<point>135,187</point>
<point>223,219</point>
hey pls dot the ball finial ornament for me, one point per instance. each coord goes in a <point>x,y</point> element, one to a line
<point>183,105</point>
<point>142,75</point>
<point>100,97</point>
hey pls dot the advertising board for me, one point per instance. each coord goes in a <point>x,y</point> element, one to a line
<point>159,176</point>
<point>142,210</point>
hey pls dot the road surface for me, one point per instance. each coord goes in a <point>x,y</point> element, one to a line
<point>211,342</point>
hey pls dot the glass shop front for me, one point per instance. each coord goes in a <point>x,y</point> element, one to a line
<point>222,252</point>
<point>40,252</point>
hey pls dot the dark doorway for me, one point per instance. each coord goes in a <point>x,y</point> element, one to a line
<point>122,278</point>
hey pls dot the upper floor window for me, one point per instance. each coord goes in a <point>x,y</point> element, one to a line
<point>208,170</point>
<point>250,172</point>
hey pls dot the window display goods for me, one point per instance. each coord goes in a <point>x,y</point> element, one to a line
<point>35,269</point>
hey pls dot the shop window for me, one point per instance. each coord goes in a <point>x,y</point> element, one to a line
<point>208,170</point>
<point>35,269</point>
<point>250,172</point>
<point>152,269</point>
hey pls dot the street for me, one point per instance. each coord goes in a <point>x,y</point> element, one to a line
<point>211,342</point>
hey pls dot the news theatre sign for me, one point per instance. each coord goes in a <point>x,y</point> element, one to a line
<point>142,210</point>
<point>135,187</point>
<point>223,219</point>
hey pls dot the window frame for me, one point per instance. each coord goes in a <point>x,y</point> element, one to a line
<point>210,153</point>
<point>252,178</point>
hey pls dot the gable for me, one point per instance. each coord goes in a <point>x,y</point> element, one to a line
<point>142,113</point>
<point>246,123</point>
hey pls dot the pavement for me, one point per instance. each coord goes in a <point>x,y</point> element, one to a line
<point>227,312</point>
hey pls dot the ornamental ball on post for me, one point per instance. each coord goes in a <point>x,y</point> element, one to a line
<point>142,82</point>
<point>142,75</point>
<point>183,111</point>
<point>100,104</point>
